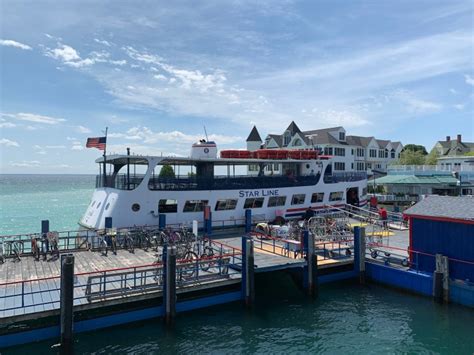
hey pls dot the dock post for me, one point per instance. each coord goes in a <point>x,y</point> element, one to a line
<point>207,220</point>
<point>161,221</point>
<point>359,253</point>
<point>67,303</point>
<point>248,272</point>
<point>169,289</point>
<point>248,221</point>
<point>441,279</point>
<point>44,239</point>
<point>310,270</point>
<point>108,222</point>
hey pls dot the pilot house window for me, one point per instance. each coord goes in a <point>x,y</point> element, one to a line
<point>317,197</point>
<point>336,196</point>
<point>276,201</point>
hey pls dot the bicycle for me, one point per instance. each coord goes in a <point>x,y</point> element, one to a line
<point>2,251</point>
<point>129,243</point>
<point>207,253</point>
<point>53,238</point>
<point>35,249</point>
<point>102,242</point>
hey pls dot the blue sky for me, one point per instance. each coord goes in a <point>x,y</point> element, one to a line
<point>156,72</point>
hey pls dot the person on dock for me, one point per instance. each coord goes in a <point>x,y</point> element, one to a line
<point>383,217</point>
<point>309,213</point>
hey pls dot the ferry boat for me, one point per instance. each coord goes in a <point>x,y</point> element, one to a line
<point>282,183</point>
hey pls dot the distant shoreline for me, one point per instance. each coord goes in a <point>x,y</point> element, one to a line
<point>71,174</point>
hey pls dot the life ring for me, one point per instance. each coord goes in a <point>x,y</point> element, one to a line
<point>206,150</point>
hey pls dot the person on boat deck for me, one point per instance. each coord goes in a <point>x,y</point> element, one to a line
<point>309,213</point>
<point>383,216</point>
<point>373,202</point>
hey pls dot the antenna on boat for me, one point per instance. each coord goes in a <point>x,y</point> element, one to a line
<point>205,132</point>
<point>105,147</point>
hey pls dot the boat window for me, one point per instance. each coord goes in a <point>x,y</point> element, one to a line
<point>195,205</point>
<point>135,207</point>
<point>254,202</point>
<point>276,201</point>
<point>298,199</point>
<point>98,205</point>
<point>168,206</point>
<point>336,196</point>
<point>107,206</point>
<point>317,197</point>
<point>93,203</point>
<point>364,191</point>
<point>228,204</point>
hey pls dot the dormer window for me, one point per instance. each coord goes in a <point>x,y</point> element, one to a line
<point>297,142</point>
<point>342,136</point>
<point>287,138</point>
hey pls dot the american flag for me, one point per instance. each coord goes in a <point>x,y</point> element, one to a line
<point>96,142</point>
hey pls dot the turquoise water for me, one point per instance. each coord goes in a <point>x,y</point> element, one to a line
<point>25,200</point>
<point>346,318</point>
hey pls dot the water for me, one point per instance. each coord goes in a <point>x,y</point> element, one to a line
<point>346,318</point>
<point>25,200</point>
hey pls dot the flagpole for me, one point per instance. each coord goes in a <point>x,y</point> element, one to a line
<point>105,151</point>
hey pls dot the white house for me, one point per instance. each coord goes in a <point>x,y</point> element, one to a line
<point>349,153</point>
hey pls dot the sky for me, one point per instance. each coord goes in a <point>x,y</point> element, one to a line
<point>156,72</point>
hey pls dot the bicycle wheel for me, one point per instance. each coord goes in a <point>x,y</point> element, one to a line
<point>103,247</point>
<point>190,269</point>
<point>208,253</point>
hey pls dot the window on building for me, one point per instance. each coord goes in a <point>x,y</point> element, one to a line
<point>339,166</point>
<point>298,199</point>
<point>340,152</point>
<point>297,142</point>
<point>352,151</point>
<point>386,153</point>
<point>360,166</point>
<point>254,202</point>
<point>360,152</point>
<point>317,197</point>
<point>253,167</point>
<point>226,204</point>
<point>352,166</point>
<point>373,153</point>
<point>381,153</point>
<point>342,136</point>
<point>276,201</point>
<point>168,206</point>
<point>336,196</point>
<point>287,138</point>
<point>392,154</point>
<point>328,150</point>
<point>195,205</point>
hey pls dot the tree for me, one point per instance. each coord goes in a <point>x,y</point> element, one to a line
<point>432,158</point>
<point>415,148</point>
<point>167,172</point>
<point>410,157</point>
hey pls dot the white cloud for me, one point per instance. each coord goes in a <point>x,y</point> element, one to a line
<point>415,105</point>
<point>103,41</point>
<point>8,143</point>
<point>7,125</point>
<point>160,77</point>
<point>11,43</point>
<point>82,129</point>
<point>32,117</point>
<point>453,91</point>
<point>26,164</point>
<point>64,53</point>
<point>77,146</point>
<point>459,107</point>
<point>469,79</point>
<point>55,147</point>
<point>331,117</point>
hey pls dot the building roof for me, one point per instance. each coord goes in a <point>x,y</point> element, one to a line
<point>254,136</point>
<point>278,138</point>
<point>382,143</point>
<point>358,140</point>
<point>445,207</point>
<point>417,179</point>
<point>455,148</point>
<point>293,128</point>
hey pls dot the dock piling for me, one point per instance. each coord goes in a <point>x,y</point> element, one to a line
<point>161,221</point>
<point>441,279</point>
<point>66,302</point>
<point>310,270</point>
<point>248,272</point>
<point>359,253</point>
<point>169,289</point>
<point>248,221</point>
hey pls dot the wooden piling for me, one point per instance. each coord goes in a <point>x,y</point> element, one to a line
<point>359,253</point>
<point>441,279</point>
<point>67,303</point>
<point>311,269</point>
<point>248,272</point>
<point>169,291</point>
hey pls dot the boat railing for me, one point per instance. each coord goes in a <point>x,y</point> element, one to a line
<point>345,177</point>
<point>229,183</point>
